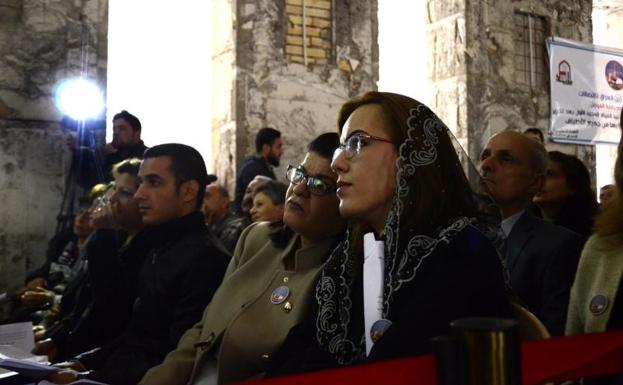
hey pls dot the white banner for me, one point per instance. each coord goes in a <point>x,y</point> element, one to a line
<point>586,84</point>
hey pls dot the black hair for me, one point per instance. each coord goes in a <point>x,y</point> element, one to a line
<point>186,164</point>
<point>274,190</point>
<point>211,178</point>
<point>580,209</point>
<point>536,131</point>
<point>221,189</point>
<point>266,135</point>
<point>128,117</point>
<point>325,145</point>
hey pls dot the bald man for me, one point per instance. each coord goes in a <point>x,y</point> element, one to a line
<point>541,257</point>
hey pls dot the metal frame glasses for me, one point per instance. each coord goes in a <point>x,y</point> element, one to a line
<point>315,184</point>
<point>353,145</point>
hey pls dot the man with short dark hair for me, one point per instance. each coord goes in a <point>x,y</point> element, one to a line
<point>268,148</point>
<point>541,257</point>
<point>126,140</point>
<point>182,270</point>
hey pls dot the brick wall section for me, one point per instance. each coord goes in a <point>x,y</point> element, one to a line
<point>318,23</point>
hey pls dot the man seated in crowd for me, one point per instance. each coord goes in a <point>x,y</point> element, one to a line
<point>182,270</point>
<point>541,257</point>
<point>219,217</point>
<point>268,147</point>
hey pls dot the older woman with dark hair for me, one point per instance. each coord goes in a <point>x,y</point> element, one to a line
<point>268,201</point>
<point>399,180</point>
<point>269,284</point>
<point>567,198</point>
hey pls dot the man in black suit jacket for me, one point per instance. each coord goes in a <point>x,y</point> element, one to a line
<point>541,257</point>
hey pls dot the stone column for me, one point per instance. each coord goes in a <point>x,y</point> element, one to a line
<point>274,87</point>
<point>473,66</point>
<point>41,43</point>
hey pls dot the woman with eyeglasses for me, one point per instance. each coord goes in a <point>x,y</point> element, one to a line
<point>414,257</point>
<point>269,285</point>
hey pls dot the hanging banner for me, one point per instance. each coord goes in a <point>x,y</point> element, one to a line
<point>586,83</point>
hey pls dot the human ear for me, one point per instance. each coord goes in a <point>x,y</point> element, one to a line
<point>189,190</point>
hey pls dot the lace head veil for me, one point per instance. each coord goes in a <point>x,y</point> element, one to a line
<point>436,197</point>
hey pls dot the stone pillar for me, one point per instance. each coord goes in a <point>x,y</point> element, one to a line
<point>447,69</point>
<point>273,85</point>
<point>41,43</point>
<point>474,71</point>
<point>497,98</point>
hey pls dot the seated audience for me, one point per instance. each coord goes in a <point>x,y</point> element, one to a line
<point>401,182</point>
<point>268,200</point>
<point>567,198</point>
<point>606,195</point>
<point>183,269</point>
<point>541,257</point>
<point>105,295</point>
<point>596,303</point>
<point>45,285</point>
<point>269,284</point>
<point>219,217</point>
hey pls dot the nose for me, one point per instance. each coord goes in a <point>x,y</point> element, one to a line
<point>301,188</point>
<point>139,194</point>
<point>486,166</point>
<point>114,197</point>
<point>339,163</point>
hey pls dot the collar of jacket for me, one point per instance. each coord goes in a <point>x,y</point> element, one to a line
<point>177,228</point>
<point>310,256</point>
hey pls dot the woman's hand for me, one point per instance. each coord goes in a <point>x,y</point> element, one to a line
<point>64,376</point>
<point>37,282</point>
<point>37,298</point>
<point>45,347</point>
<point>102,217</point>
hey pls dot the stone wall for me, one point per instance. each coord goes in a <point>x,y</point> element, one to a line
<point>497,97</point>
<point>41,43</point>
<point>475,72</point>
<point>301,101</point>
<point>447,70</point>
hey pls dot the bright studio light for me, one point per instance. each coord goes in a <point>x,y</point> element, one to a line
<point>79,98</point>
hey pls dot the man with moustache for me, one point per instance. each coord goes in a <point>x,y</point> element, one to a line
<point>541,257</point>
<point>126,141</point>
<point>182,270</point>
<point>269,148</point>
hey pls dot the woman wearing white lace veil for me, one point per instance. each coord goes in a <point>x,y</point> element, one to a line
<point>399,177</point>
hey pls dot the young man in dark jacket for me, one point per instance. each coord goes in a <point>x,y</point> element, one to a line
<point>182,270</point>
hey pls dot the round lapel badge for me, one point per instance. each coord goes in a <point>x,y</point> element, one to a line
<point>378,329</point>
<point>598,305</point>
<point>279,295</point>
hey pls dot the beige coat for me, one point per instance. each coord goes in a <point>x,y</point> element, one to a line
<point>241,327</point>
<point>599,273</point>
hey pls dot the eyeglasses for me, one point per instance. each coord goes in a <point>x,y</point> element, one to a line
<point>353,145</point>
<point>315,184</point>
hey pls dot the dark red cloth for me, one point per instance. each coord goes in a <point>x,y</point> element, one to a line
<point>552,360</point>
